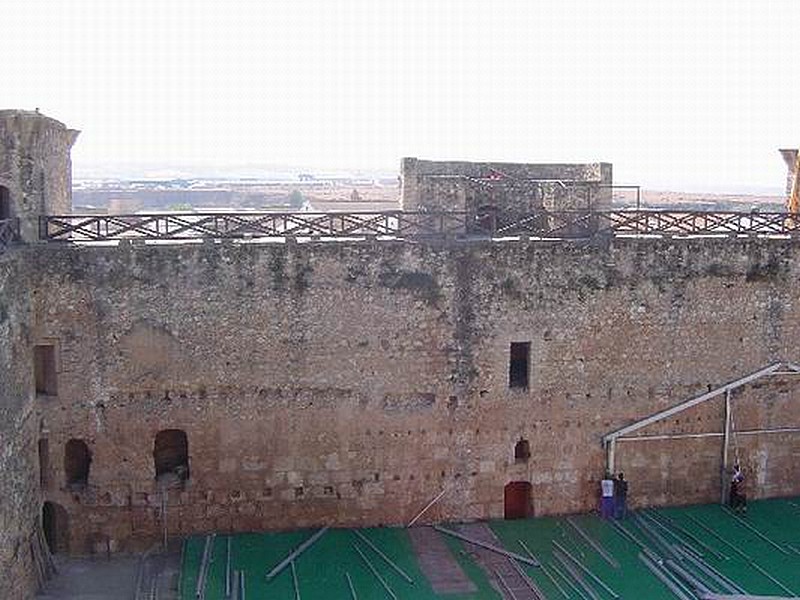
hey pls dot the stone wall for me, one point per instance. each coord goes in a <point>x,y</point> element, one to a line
<point>35,167</point>
<point>349,383</point>
<point>688,468</point>
<point>790,158</point>
<point>19,483</point>
<point>509,188</point>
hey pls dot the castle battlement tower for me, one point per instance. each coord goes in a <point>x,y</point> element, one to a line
<point>35,168</point>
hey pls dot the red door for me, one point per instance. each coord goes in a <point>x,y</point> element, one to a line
<point>518,500</point>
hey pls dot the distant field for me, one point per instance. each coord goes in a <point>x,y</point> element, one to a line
<point>123,198</point>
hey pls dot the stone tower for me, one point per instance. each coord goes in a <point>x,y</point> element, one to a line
<point>35,168</point>
<point>790,158</point>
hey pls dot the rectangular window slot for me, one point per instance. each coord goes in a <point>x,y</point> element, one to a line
<point>44,368</point>
<point>519,365</point>
<point>44,462</point>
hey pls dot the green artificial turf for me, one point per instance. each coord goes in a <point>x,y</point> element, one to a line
<point>722,540</point>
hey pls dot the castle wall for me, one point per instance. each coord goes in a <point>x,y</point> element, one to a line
<point>35,167</point>
<point>19,483</point>
<point>349,383</point>
<point>513,188</point>
<point>790,158</point>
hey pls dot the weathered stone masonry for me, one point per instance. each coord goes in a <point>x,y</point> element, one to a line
<point>19,486</point>
<point>35,179</point>
<point>348,383</point>
<point>278,385</point>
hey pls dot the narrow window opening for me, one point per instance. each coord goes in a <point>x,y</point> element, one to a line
<point>5,203</point>
<point>77,460</point>
<point>44,367</point>
<point>518,365</point>
<point>171,456</point>
<point>522,451</point>
<point>44,462</point>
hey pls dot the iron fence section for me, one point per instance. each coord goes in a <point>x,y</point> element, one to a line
<point>183,226</point>
<point>398,224</point>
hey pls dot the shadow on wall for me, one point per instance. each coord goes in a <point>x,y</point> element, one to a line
<point>5,203</point>
<point>171,457</point>
<point>55,524</point>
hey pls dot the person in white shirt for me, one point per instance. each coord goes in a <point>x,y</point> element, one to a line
<point>607,496</point>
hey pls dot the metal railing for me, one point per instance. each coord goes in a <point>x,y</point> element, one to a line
<point>541,224</point>
<point>9,233</point>
<point>644,222</point>
<point>188,226</point>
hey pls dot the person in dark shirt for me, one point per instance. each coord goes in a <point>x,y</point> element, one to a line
<point>736,497</point>
<point>620,497</point>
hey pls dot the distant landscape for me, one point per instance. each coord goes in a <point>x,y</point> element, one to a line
<point>289,189</point>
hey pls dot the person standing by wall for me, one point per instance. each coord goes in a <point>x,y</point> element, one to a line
<point>737,497</point>
<point>620,497</point>
<point>607,496</point>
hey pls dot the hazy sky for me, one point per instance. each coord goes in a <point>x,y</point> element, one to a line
<point>678,93</point>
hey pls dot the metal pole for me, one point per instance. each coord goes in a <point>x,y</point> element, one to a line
<point>554,582</point>
<point>353,595</point>
<point>707,529</point>
<point>711,434</point>
<point>526,578</point>
<point>504,585</point>
<point>228,570</point>
<point>645,549</point>
<point>772,579</point>
<point>235,591</point>
<point>183,558</point>
<point>668,521</point>
<point>427,506</point>
<point>725,443</point>
<point>661,542</point>
<point>754,530</point>
<point>576,576</point>
<point>388,560</point>
<point>297,552</point>
<point>375,572</point>
<point>650,519</point>
<point>295,582</point>
<point>164,498</point>
<point>586,570</point>
<point>594,544</point>
<point>528,551</point>
<point>491,547</point>
<point>200,585</point>
<point>726,584</point>
<point>678,593</point>
<point>568,581</point>
<point>611,450</point>
<point>242,593</point>
<point>693,581</point>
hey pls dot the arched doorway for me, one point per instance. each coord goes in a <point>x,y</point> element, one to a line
<point>77,460</point>
<point>171,455</point>
<point>517,500</point>
<point>522,451</point>
<point>55,524</point>
<point>5,203</point>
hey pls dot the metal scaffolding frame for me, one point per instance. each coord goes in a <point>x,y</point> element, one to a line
<point>779,368</point>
